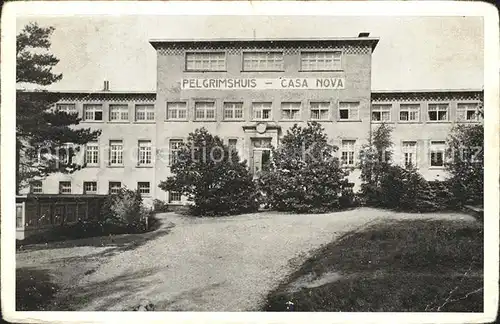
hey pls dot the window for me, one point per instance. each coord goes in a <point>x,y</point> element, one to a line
<point>116,152</point>
<point>409,112</point>
<point>263,61</point>
<point>114,187</point>
<point>65,153</point>
<point>67,108</point>
<point>174,197</point>
<point>92,153</point>
<point>19,216</point>
<point>437,153</point>
<point>467,112</point>
<point>176,111</point>
<point>143,188</point>
<point>233,110</point>
<point>90,187</point>
<point>349,111</point>
<point>144,156</point>
<point>36,187</point>
<point>118,112</point>
<point>438,112</point>
<point>290,110</point>
<point>261,110</point>
<point>320,110</point>
<point>206,61</point>
<point>144,112</point>
<point>347,157</point>
<point>381,113</point>
<point>231,143</point>
<point>175,147</point>
<point>409,153</point>
<point>204,110</point>
<point>64,187</point>
<point>320,61</point>
<point>92,112</point>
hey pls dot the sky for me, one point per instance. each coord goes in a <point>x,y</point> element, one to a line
<point>413,52</point>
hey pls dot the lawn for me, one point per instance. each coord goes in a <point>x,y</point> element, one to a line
<point>409,265</point>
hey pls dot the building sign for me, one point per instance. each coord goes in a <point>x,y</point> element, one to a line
<point>321,83</point>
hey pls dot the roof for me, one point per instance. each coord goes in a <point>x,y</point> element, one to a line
<point>93,92</point>
<point>425,91</point>
<point>373,41</point>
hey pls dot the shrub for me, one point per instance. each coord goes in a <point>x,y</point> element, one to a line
<point>466,163</point>
<point>212,177</point>
<point>304,176</point>
<point>159,206</point>
<point>406,190</point>
<point>124,209</point>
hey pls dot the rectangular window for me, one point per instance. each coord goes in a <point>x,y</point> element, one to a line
<point>231,143</point>
<point>233,110</point>
<point>206,61</point>
<point>144,188</point>
<point>36,187</point>
<point>175,147</point>
<point>19,216</point>
<point>176,111</point>
<point>64,187</point>
<point>92,153</point>
<point>438,112</point>
<point>409,112</point>
<point>116,152</point>
<point>437,151</point>
<point>381,113</point>
<point>174,197</point>
<point>263,61</point>
<point>321,61</point>
<point>144,112</point>
<point>349,111</point>
<point>118,112</point>
<point>409,153</point>
<point>114,187</point>
<point>204,110</point>
<point>144,156</point>
<point>290,110</point>
<point>320,110</point>
<point>261,110</point>
<point>347,152</point>
<point>67,108</point>
<point>90,187</point>
<point>92,112</point>
<point>467,112</point>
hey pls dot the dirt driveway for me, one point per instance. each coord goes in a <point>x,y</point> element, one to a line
<point>216,264</point>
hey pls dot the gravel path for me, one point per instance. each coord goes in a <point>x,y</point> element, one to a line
<point>222,264</point>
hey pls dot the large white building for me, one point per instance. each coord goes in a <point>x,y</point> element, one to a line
<point>249,92</point>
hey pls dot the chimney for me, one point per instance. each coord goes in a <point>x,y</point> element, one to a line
<point>106,86</point>
<point>364,34</point>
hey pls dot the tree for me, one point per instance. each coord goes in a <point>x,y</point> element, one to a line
<point>212,176</point>
<point>304,175</point>
<point>46,140</point>
<point>375,159</point>
<point>466,163</point>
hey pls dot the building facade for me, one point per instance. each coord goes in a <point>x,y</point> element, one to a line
<point>249,92</point>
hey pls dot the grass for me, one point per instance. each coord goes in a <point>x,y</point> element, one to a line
<point>413,266</point>
<point>34,290</point>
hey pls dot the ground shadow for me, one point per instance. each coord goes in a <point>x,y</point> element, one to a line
<point>35,290</point>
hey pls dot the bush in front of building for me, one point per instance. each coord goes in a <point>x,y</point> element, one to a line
<point>466,163</point>
<point>124,209</point>
<point>304,175</point>
<point>159,206</point>
<point>212,177</point>
<point>391,186</point>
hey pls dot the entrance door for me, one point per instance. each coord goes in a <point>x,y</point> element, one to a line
<point>261,154</point>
